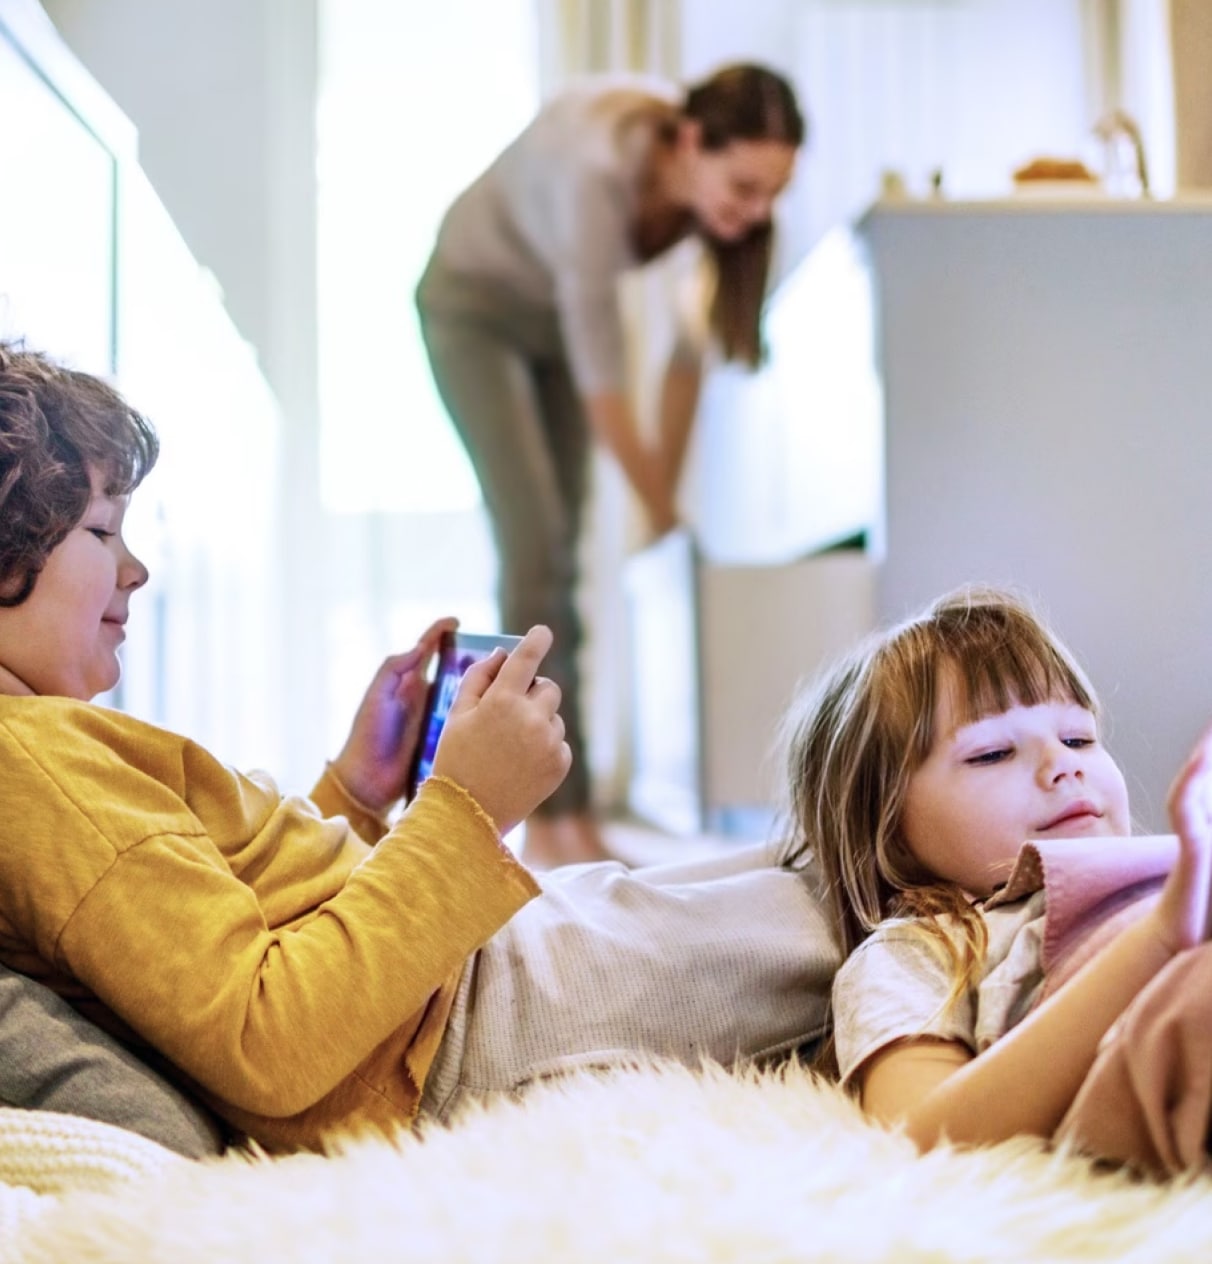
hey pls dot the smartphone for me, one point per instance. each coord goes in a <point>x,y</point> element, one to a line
<point>456,654</point>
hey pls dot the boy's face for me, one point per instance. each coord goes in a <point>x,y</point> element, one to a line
<point>987,787</point>
<point>63,640</point>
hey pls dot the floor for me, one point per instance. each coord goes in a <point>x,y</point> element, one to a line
<point>638,843</point>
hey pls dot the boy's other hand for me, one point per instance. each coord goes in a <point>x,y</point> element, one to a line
<point>374,762</point>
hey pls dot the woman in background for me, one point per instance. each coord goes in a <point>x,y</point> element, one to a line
<point>521,322</point>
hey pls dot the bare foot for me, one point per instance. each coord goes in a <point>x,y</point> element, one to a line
<point>569,839</point>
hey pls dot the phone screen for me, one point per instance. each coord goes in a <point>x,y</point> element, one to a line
<point>457,654</point>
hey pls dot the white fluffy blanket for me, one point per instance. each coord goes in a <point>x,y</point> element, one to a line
<point>656,1164</point>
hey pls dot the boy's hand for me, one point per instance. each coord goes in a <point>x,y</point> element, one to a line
<point>1185,898</point>
<point>374,762</point>
<point>504,739</point>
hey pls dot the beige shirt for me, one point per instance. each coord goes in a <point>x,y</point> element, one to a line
<point>550,220</point>
<point>894,986</point>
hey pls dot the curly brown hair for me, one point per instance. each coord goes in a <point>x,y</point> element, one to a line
<point>57,424</point>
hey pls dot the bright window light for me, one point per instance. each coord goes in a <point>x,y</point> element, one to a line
<point>414,101</point>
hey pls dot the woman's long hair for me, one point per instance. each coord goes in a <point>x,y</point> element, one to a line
<point>743,102</point>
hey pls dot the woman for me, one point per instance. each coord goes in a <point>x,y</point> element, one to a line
<point>520,317</point>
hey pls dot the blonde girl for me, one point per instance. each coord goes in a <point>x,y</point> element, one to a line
<point>919,767</point>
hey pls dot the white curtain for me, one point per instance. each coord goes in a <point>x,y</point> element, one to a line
<point>588,36</point>
<point>1138,74</point>
<point>1191,44</point>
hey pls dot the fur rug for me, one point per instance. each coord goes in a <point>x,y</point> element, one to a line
<point>655,1164</point>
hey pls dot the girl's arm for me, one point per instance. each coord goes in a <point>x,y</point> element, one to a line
<point>1026,1081</point>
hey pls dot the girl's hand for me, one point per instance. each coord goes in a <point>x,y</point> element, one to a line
<point>374,762</point>
<point>503,741</point>
<point>1184,907</point>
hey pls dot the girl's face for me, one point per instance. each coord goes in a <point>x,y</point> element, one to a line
<point>733,190</point>
<point>987,787</point>
<point>63,639</point>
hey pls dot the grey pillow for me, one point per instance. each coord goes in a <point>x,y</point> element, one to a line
<point>52,1058</point>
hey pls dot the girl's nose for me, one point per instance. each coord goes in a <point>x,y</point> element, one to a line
<point>1060,761</point>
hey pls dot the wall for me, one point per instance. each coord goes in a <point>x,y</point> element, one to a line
<point>201,84</point>
<point>973,87</point>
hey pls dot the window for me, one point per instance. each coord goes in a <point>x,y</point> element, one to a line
<point>414,101</point>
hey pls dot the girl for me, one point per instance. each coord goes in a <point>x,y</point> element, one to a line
<point>919,767</point>
<point>520,318</point>
<point>301,964</point>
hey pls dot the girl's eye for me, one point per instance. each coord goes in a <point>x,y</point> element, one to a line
<point>990,757</point>
<point>1078,743</point>
<point>101,533</point>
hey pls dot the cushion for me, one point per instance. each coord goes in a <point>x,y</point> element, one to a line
<point>54,1059</point>
<point>44,1155</point>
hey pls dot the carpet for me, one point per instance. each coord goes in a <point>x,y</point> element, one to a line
<point>651,1164</point>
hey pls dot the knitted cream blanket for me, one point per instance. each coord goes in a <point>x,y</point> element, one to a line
<point>656,1164</point>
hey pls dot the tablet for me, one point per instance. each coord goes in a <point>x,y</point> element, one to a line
<point>456,654</point>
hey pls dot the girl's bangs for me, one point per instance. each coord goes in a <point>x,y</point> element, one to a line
<point>994,674</point>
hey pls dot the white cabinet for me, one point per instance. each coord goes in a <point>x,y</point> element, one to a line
<point>719,651</point>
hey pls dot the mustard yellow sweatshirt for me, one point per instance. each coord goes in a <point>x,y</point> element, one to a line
<point>297,972</point>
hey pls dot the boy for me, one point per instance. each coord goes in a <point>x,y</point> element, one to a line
<point>298,963</point>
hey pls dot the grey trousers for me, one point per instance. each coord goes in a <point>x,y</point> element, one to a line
<point>720,960</point>
<point>499,367</point>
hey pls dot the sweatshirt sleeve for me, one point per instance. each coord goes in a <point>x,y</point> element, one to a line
<point>331,795</point>
<point>268,1016</point>
<point>234,1003</point>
